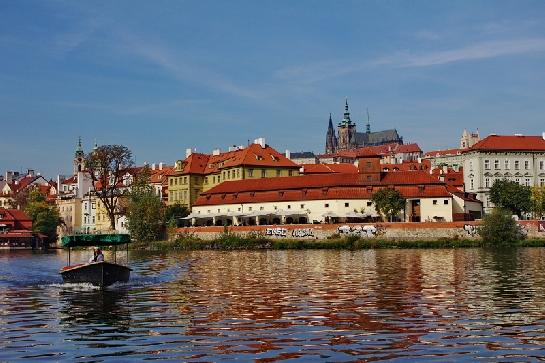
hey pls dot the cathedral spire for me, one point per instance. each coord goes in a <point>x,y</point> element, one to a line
<point>330,122</point>
<point>346,119</point>
<point>368,125</point>
<point>79,148</point>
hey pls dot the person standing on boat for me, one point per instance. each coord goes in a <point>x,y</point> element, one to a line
<point>99,256</point>
<point>94,257</point>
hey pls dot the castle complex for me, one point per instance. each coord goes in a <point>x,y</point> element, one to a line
<point>348,138</point>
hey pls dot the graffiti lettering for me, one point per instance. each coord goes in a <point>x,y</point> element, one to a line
<point>471,229</point>
<point>541,226</point>
<point>363,231</point>
<point>299,233</point>
<point>278,232</point>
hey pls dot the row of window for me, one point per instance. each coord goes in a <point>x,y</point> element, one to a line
<point>523,181</point>
<point>177,195</point>
<point>178,180</point>
<point>506,164</point>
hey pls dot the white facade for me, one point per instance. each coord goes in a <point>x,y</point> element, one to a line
<point>431,209</point>
<point>482,168</point>
<point>88,214</point>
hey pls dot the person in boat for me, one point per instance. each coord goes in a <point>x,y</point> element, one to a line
<point>100,256</point>
<point>94,257</point>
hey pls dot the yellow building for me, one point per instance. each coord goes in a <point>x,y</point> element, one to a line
<point>201,172</point>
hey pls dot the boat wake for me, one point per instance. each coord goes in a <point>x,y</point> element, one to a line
<point>74,286</point>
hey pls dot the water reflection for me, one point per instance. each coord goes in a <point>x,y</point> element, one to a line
<point>441,305</point>
<point>96,307</point>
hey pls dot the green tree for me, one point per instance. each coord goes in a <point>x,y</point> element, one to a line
<point>538,201</point>
<point>173,213</point>
<point>511,195</point>
<point>107,166</point>
<point>388,203</point>
<point>500,229</point>
<point>145,211</point>
<point>45,217</point>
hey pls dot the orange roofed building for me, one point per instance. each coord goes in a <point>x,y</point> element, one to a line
<point>201,172</point>
<point>316,198</point>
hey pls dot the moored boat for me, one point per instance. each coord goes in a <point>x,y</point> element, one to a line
<point>103,273</point>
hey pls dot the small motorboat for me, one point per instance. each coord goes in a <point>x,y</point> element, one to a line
<point>102,273</point>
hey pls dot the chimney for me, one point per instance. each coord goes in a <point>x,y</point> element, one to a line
<point>260,141</point>
<point>9,176</point>
<point>161,165</point>
<point>543,135</point>
<point>288,154</point>
<point>30,172</point>
<point>153,166</point>
<point>188,152</point>
<point>216,152</point>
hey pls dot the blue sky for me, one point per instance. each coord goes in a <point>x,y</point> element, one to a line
<point>162,76</point>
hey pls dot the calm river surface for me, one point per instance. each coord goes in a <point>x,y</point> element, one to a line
<point>392,305</point>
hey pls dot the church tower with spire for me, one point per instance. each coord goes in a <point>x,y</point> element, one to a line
<point>347,131</point>
<point>330,139</point>
<point>79,158</point>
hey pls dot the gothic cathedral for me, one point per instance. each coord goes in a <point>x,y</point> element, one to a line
<point>347,138</point>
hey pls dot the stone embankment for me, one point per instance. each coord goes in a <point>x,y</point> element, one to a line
<point>385,231</point>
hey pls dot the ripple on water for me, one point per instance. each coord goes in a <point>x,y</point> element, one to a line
<point>395,305</point>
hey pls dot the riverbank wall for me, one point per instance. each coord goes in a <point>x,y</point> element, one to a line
<point>385,231</point>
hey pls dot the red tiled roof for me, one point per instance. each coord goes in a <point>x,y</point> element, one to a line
<point>15,218</point>
<point>253,155</point>
<point>407,166</point>
<point>442,152</point>
<point>408,191</point>
<point>72,180</point>
<point>329,168</point>
<point>510,143</point>
<point>313,187</point>
<point>159,176</point>
<point>382,150</point>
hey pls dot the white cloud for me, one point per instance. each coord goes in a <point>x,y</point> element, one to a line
<point>484,50</point>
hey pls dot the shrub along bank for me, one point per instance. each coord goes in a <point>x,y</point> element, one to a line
<point>232,241</point>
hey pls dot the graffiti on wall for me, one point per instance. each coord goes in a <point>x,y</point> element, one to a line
<point>301,233</point>
<point>362,231</point>
<point>541,226</point>
<point>277,232</point>
<point>283,232</point>
<point>471,229</point>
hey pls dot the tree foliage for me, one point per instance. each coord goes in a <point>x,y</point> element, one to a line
<point>173,213</point>
<point>511,195</point>
<point>107,165</point>
<point>388,203</point>
<point>145,211</point>
<point>500,229</point>
<point>45,217</point>
<point>538,201</point>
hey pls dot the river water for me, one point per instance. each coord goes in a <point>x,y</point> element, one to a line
<point>388,305</point>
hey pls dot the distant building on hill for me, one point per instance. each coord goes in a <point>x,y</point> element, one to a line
<point>347,138</point>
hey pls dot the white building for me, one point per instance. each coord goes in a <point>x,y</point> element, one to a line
<point>313,198</point>
<point>513,157</point>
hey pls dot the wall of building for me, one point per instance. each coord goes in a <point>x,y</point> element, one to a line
<point>392,231</point>
<point>317,208</point>
<point>481,170</point>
